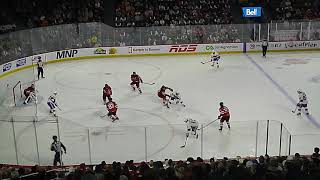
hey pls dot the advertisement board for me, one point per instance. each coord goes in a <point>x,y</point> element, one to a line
<point>251,11</point>
<point>228,47</point>
<point>156,50</point>
<point>290,45</point>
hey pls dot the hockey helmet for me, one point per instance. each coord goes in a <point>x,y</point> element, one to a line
<point>299,90</point>
<point>221,103</point>
<point>134,73</point>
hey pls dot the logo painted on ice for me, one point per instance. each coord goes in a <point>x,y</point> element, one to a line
<point>183,48</point>
<point>21,62</point>
<point>6,67</point>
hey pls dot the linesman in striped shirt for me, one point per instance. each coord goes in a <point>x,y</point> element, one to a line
<point>40,68</point>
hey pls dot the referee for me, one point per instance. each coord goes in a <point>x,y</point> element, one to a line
<point>265,45</point>
<point>40,68</point>
<point>57,147</point>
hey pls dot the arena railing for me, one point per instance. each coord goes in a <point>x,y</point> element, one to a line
<point>26,140</point>
<point>15,45</point>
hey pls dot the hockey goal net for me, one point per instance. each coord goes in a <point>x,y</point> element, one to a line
<point>17,92</point>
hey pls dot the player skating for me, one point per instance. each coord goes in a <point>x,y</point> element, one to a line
<point>30,94</point>
<point>112,108</point>
<point>165,97</point>
<point>215,57</point>
<point>176,99</point>
<point>224,115</point>
<point>303,102</point>
<point>106,93</point>
<point>192,126</point>
<point>52,103</point>
<point>135,81</point>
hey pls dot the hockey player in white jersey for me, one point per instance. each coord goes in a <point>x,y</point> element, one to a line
<point>52,103</point>
<point>192,126</point>
<point>175,98</point>
<point>303,102</point>
<point>215,57</point>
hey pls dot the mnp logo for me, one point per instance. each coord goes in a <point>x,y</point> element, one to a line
<point>251,11</point>
<point>66,54</point>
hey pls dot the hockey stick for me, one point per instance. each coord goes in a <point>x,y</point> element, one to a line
<point>59,108</point>
<point>205,62</point>
<point>294,111</point>
<point>209,123</point>
<point>149,83</point>
<point>185,142</point>
<point>103,115</point>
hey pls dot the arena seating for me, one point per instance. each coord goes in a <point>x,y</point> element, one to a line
<point>295,9</point>
<point>136,13</point>
<point>295,167</point>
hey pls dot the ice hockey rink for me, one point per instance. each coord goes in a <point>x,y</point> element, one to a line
<point>255,89</point>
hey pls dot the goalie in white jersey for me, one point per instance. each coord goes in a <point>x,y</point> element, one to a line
<point>215,57</point>
<point>52,103</point>
<point>303,102</point>
<point>192,127</point>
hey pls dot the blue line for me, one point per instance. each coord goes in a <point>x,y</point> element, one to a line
<point>281,89</point>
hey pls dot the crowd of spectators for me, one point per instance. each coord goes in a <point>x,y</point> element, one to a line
<point>295,167</point>
<point>163,22</point>
<point>137,13</point>
<point>297,9</point>
<point>177,35</point>
<point>35,13</point>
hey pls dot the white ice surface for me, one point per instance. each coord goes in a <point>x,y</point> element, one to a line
<point>251,95</point>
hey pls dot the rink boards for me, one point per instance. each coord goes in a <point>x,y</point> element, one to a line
<point>157,50</point>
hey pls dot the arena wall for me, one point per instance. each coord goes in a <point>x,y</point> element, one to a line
<point>160,50</point>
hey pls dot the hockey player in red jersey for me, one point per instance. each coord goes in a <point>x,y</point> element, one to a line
<point>224,115</point>
<point>112,108</point>
<point>135,81</point>
<point>106,92</point>
<point>30,94</point>
<point>165,97</point>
